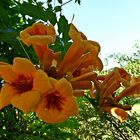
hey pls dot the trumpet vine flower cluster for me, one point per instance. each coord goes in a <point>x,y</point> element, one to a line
<point>50,89</point>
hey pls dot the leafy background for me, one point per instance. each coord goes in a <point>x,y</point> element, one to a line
<point>15,15</point>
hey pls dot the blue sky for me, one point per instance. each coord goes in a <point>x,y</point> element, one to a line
<point>115,24</point>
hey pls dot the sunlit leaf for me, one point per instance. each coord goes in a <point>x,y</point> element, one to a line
<point>57,8</point>
<point>38,12</point>
<point>63,27</point>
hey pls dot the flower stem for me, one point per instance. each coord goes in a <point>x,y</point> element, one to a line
<point>23,49</point>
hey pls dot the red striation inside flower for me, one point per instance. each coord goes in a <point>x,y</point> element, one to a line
<point>38,31</point>
<point>55,101</point>
<point>77,73</point>
<point>123,73</point>
<point>23,84</point>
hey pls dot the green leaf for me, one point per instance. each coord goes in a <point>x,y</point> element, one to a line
<point>78,1</point>
<point>61,24</point>
<point>38,12</point>
<point>57,8</point>
<point>32,10</point>
<point>30,1</point>
<point>65,33</point>
<point>51,16</point>
<point>60,1</point>
<point>63,27</point>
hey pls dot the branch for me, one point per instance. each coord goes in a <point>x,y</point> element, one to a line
<point>117,128</point>
<point>66,2</point>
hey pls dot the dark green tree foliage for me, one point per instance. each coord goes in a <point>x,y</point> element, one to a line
<point>15,15</point>
<point>133,66</point>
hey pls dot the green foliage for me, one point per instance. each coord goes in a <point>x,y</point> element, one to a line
<point>17,15</point>
<point>78,1</point>
<point>38,12</point>
<point>63,28</point>
<point>88,124</point>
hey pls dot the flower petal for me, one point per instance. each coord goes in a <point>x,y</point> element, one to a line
<point>3,63</point>
<point>132,91</point>
<point>119,113</point>
<point>51,116</point>
<point>26,101</point>
<point>70,106</point>
<point>90,60</point>
<point>41,82</point>
<point>75,34</point>
<point>7,93</point>
<point>110,89</point>
<point>45,56</point>
<point>41,29</point>
<point>41,39</point>
<point>23,66</point>
<point>7,73</point>
<point>58,57</point>
<point>85,76</point>
<point>81,84</point>
<point>64,88</point>
<point>78,93</point>
<point>24,35</point>
<point>38,34</point>
<point>116,112</point>
<point>52,81</point>
<point>73,54</point>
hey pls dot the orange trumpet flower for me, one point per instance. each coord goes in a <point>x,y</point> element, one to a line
<point>106,87</point>
<point>40,36</point>
<point>19,86</point>
<point>81,54</point>
<point>57,102</point>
